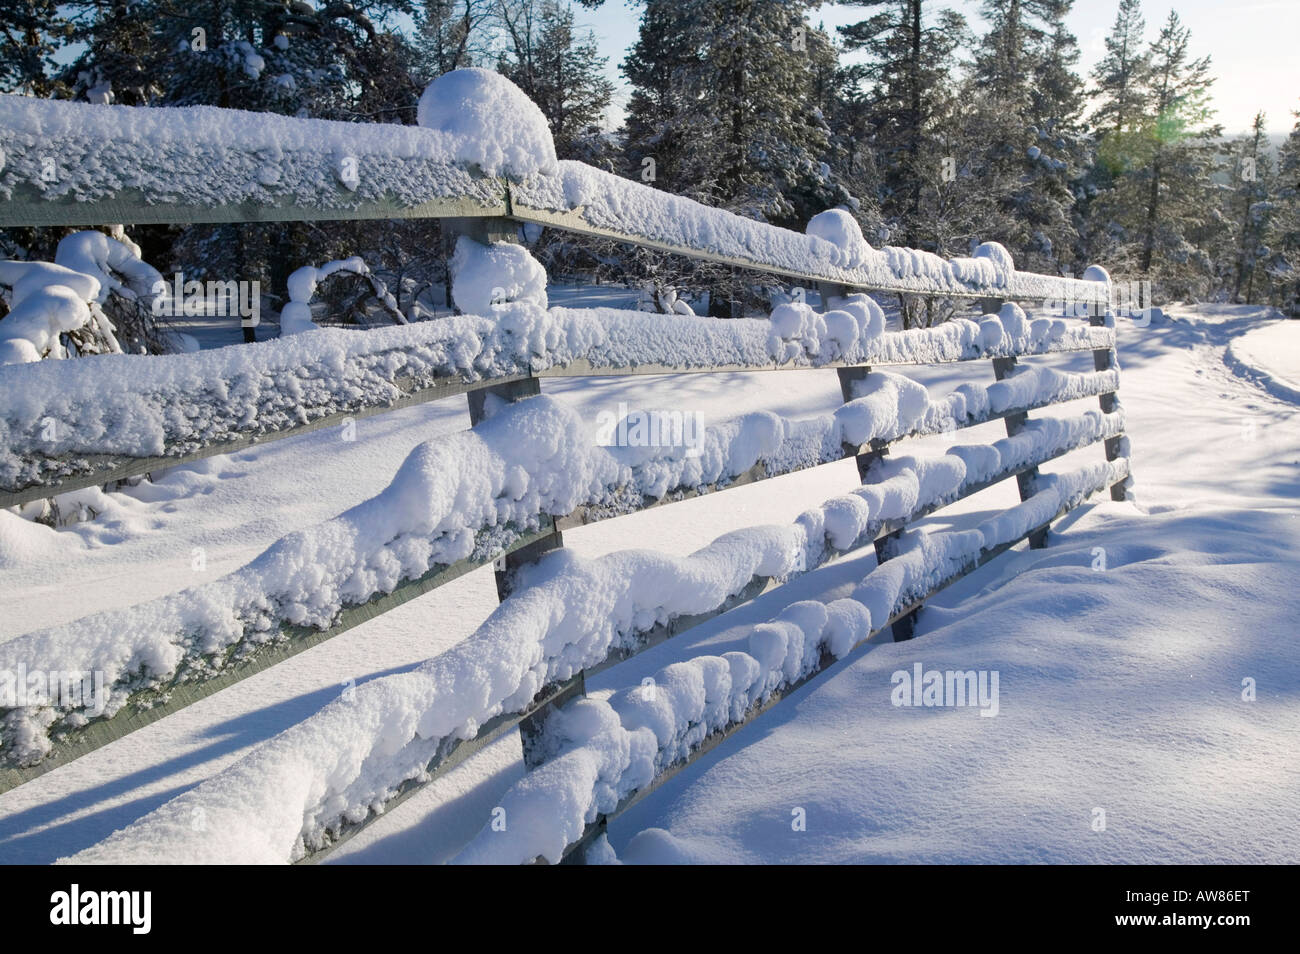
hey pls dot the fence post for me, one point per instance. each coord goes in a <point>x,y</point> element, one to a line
<point>904,626</point>
<point>1105,359</point>
<point>485,231</point>
<point>1015,423</point>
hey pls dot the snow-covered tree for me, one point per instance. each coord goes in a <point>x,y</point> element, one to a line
<point>1123,75</point>
<point>1282,261</point>
<point>903,90</point>
<point>1160,216</point>
<point>1031,148</point>
<point>722,102</point>
<point>1249,208</point>
<point>663,124</point>
<point>450,34</point>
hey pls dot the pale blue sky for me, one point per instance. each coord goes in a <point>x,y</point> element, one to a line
<point>1252,45</point>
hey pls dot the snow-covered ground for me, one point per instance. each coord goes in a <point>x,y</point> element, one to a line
<point>1121,689</point>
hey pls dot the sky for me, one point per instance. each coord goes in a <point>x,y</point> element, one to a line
<point>1252,46</point>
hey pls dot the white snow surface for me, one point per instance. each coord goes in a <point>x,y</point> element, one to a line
<point>204,156</point>
<point>1270,355</point>
<point>485,277</point>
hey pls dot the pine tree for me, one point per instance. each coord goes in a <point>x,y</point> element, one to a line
<point>1179,157</point>
<point>1123,74</point>
<point>32,32</point>
<point>1159,211</point>
<point>661,122</point>
<point>724,98</point>
<point>1283,229</point>
<point>1032,149</point>
<point>450,34</point>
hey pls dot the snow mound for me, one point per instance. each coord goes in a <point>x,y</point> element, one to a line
<point>1268,355</point>
<point>490,122</point>
<point>837,228</point>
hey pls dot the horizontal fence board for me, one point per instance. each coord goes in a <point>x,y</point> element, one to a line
<point>104,468</point>
<point>147,707</point>
<point>1023,286</point>
<point>29,208</point>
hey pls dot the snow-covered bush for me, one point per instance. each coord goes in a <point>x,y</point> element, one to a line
<point>295,317</point>
<point>63,308</point>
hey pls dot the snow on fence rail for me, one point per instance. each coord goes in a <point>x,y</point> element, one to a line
<point>83,164</point>
<point>506,488</point>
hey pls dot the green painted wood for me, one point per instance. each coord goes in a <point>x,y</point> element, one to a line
<point>28,207</point>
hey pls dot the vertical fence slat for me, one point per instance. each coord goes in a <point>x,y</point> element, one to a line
<point>1103,359</point>
<point>903,627</point>
<point>487,230</point>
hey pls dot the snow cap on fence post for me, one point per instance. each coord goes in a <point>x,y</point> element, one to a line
<point>490,122</point>
<point>841,229</point>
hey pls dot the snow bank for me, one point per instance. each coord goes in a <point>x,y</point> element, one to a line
<point>489,122</point>
<point>1270,356</point>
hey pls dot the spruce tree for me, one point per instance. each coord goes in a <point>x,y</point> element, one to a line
<point>1282,233</point>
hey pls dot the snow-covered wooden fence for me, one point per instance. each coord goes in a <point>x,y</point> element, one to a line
<point>83,423</point>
